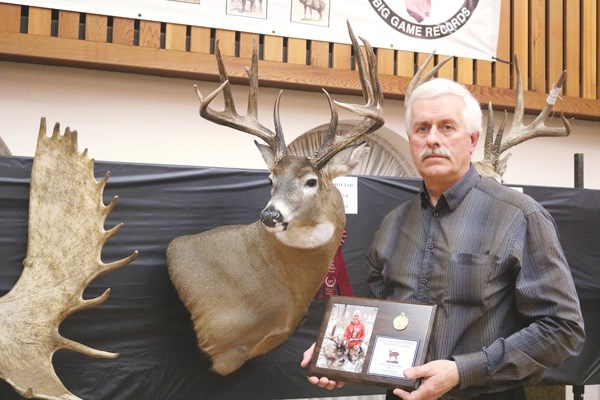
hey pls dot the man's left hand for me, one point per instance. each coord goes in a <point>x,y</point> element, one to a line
<point>439,377</point>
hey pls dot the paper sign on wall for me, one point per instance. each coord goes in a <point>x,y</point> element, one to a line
<point>348,186</point>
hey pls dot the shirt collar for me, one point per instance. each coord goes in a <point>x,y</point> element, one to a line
<point>455,195</point>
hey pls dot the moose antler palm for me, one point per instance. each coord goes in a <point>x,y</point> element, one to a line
<point>492,164</point>
<point>247,287</point>
<point>65,240</point>
<point>4,150</point>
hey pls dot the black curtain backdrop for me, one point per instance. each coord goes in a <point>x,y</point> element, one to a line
<point>145,322</point>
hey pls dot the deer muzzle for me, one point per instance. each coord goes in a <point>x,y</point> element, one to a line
<point>272,218</point>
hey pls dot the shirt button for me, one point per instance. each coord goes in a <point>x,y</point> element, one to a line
<point>436,214</point>
<point>430,246</point>
<point>424,281</point>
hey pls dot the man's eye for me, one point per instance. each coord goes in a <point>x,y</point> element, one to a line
<point>311,182</point>
<point>422,129</point>
<point>448,128</point>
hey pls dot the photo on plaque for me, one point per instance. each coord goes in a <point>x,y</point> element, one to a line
<point>346,341</point>
<point>371,341</point>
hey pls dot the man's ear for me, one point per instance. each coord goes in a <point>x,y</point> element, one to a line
<point>346,160</point>
<point>474,139</point>
<point>267,155</point>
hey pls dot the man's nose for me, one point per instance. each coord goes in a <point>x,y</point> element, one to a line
<point>433,136</point>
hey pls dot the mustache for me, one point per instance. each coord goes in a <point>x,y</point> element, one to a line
<point>438,151</point>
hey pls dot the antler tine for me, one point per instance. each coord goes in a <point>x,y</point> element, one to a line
<point>333,123</point>
<point>489,134</point>
<point>417,79</point>
<point>372,111</point>
<point>252,73</point>
<point>229,116</point>
<point>519,132</point>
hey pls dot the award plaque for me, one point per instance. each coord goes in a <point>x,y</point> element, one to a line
<point>371,341</point>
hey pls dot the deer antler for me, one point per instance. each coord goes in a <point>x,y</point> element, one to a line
<point>248,123</point>
<point>418,80</point>
<point>372,111</point>
<point>494,166</point>
<point>66,236</point>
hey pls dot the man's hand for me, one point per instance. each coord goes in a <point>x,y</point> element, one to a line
<point>322,382</point>
<point>439,377</point>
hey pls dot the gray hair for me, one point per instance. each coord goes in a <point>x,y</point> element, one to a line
<point>471,115</point>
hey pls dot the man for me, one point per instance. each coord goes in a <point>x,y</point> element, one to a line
<point>354,335</point>
<point>487,255</point>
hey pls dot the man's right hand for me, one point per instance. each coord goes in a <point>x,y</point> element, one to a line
<point>322,382</point>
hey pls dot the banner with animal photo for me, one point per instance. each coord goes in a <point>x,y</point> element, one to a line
<point>462,28</point>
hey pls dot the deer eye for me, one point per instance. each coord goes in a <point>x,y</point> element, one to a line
<point>311,182</point>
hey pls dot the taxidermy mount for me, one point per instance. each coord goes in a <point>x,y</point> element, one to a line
<point>247,287</point>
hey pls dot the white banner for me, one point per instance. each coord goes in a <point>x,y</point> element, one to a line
<point>462,28</point>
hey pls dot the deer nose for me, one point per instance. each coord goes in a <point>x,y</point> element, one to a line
<point>270,217</point>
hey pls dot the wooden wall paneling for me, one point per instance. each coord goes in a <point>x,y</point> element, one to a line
<point>10,18</point>
<point>200,40</point>
<point>464,71</point>
<point>521,39</point>
<point>572,27</point>
<point>572,52</point>
<point>123,31</point>
<point>502,70</point>
<point>588,49</point>
<point>421,58</point>
<point>19,47</point>
<point>319,54</point>
<point>40,21</point>
<point>273,48</point>
<point>296,51</point>
<point>483,72</point>
<point>68,24</point>
<point>247,42</point>
<point>226,40</point>
<point>555,41</point>
<point>96,27</point>
<point>405,63</point>
<point>385,61</point>
<point>342,56</point>
<point>175,37</point>
<point>537,59</point>
<point>150,34</point>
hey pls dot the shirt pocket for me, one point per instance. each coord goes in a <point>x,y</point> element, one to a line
<point>467,277</point>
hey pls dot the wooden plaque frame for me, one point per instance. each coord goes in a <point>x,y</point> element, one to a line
<point>388,346</point>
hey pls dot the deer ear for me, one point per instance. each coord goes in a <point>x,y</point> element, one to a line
<point>346,160</point>
<point>267,154</point>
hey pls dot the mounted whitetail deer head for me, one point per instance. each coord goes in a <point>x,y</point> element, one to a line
<point>247,287</point>
<point>492,164</point>
<point>65,240</point>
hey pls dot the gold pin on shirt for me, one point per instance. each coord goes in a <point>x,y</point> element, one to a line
<point>400,322</point>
